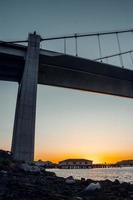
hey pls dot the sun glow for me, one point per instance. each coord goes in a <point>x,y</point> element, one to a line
<point>96,158</point>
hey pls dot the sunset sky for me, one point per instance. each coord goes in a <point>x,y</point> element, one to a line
<point>70,123</point>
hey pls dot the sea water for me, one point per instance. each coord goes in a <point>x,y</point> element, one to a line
<point>123,174</point>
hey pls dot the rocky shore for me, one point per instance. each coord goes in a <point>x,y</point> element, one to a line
<point>22,181</point>
<point>21,185</point>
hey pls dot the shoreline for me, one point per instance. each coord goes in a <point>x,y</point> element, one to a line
<point>45,185</point>
<point>123,174</point>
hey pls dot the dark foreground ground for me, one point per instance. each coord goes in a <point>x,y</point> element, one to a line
<point>20,185</point>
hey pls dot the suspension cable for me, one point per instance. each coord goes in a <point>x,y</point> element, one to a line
<point>87,34</point>
<point>107,60</point>
<point>113,55</point>
<point>131,57</point>
<point>13,42</point>
<point>119,47</point>
<point>76,45</point>
<point>64,45</point>
<point>99,45</point>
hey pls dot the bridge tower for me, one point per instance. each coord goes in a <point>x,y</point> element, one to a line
<point>24,123</point>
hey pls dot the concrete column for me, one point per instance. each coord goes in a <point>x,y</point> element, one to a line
<point>24,124</point>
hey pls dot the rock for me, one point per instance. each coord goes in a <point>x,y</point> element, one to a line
<point>70,180</point>
<point>116,182</point>
<point>78,198</point>
<point>3,172</point>
<point>30,168</point>
<point>93,186</point>
<point>82,179</point>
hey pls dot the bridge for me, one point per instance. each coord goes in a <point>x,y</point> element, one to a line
<point>30,65</point>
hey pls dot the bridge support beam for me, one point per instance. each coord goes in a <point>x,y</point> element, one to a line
<point>24,124</point>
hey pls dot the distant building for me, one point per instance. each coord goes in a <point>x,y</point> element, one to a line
<point>125,163</point>
<point>45,164</point>
<point>75,164</point>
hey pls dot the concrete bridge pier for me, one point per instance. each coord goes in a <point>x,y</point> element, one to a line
<point>24,123</point>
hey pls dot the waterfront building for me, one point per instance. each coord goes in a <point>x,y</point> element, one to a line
<point>75,164</point>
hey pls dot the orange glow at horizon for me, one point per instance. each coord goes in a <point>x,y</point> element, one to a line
<point>97,158</point>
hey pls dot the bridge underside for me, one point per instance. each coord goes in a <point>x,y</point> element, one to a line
<point>67,71</point>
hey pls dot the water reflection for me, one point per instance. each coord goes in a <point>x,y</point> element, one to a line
<point>124,174</point>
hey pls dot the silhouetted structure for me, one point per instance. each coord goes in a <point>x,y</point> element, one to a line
<point>31,65</point>
<point>75,164</point>
<point>125,163</point>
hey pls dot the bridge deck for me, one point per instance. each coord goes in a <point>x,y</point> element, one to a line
<point>61,70</point>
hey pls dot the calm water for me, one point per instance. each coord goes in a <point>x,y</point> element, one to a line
<point>124,174</point>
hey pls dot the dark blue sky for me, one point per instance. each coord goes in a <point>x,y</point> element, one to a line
<point>51,17</point>
<point>69,122</point>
